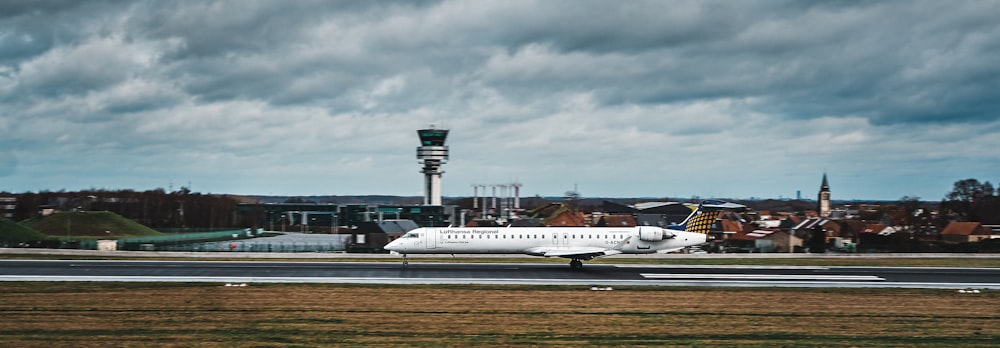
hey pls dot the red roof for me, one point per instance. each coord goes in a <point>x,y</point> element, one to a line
<point>965,229</point>
<point>731,226</point>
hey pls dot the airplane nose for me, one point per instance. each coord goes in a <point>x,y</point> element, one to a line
<point>393,246</point>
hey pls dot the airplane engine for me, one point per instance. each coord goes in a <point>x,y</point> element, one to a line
<point>653,234</point>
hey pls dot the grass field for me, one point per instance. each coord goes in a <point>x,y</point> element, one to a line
<point>97,224</point>
<point>308,315</point>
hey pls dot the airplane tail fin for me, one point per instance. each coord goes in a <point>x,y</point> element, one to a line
<point>700,221</point>
<point>702,218</point>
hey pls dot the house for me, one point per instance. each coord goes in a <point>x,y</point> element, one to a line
<point>965,232</point>
<point>878,229</point>
<point>818,226</point>
<point>851,229</point>
<point>616,221</point>
<point>896,218</point>
<point>729,227</point>
<point>559,215</point>
<point>765,241</point>
<point>828,234</point>
<point>880,237</point>
<point>567,218</point>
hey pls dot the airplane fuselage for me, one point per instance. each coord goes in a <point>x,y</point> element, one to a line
<point>543,241</point>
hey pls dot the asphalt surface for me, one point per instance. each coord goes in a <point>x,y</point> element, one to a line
<point>497,273</point>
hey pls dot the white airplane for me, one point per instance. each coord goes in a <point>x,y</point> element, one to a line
<point>574,243</point>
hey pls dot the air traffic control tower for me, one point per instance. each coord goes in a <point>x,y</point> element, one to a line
<point>432,153</point>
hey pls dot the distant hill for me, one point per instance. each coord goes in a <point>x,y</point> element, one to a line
<point>11,231</point>
<point>89,223</point>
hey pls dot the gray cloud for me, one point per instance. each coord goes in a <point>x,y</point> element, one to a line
<point>536,90</point>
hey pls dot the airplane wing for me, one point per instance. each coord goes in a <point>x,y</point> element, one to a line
<point>582,253</point>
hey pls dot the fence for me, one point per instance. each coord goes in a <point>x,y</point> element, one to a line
<point>287,243</point>
<point>150,243</point>
<point>244,240</point>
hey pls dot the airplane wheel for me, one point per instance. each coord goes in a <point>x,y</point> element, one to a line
<point>576,264</point>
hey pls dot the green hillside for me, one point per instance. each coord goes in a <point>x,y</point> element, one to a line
<point>89,224</point>
<point>11,231</point>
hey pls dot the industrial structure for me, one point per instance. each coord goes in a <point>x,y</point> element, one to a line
<point>506,205</point>
<point>7,206</point>
<point>338,218</point>
<point>432,153</point>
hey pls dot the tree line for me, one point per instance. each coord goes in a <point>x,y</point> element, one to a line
<point>159,209</point>
<point>969,200</point>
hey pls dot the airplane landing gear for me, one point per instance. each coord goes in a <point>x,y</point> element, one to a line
<point>405,261</point>
<point>576,265</point>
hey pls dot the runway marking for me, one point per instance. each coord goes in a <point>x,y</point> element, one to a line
<point>817,277</point>
<point>581,282</point>
<point>755,267</point>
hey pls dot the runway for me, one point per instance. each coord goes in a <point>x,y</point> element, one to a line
<point>497,273</point>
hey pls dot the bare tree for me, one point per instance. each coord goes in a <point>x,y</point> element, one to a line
<point>964,198</point>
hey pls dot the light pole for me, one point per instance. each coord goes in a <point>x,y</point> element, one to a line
<point>69,224</point>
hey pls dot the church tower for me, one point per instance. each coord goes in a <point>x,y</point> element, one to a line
<point>824,199</point>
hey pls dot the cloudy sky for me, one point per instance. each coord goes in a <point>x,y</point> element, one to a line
<point>620,99</point>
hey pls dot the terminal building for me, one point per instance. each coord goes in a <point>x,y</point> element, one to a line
<point>341,218</point>
<point>370,226</point>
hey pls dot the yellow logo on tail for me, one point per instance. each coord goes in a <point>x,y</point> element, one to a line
<point>703,222</point>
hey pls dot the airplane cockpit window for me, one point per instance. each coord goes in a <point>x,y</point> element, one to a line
<point>411,235</point>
